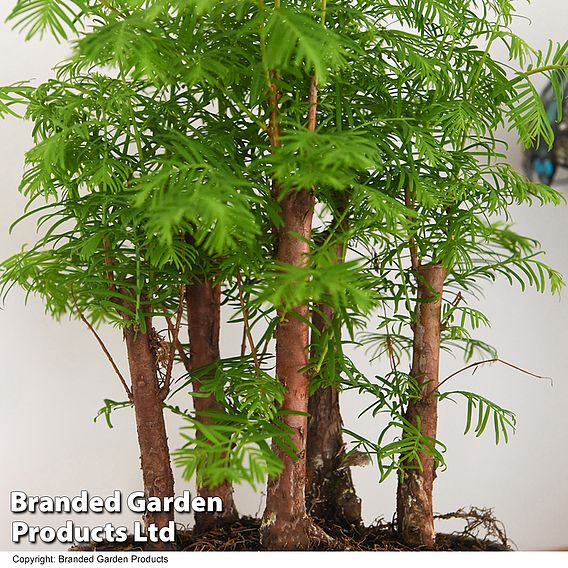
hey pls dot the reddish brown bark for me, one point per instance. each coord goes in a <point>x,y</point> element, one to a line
<point>330,494</point>
<point>415,516</point>
<point>204,322</point>
<point>285,524</point>
<point>152,437</point>
<point>274,96</point>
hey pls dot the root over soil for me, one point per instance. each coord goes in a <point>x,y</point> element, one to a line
<point>482,532</point>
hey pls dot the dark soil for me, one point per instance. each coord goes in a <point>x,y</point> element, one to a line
<point>244,535</point>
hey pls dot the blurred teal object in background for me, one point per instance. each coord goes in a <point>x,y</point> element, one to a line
<point>542,162</point>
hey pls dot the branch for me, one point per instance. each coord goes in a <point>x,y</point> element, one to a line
<point>544,69</point>
<point>274,96</point>
<point>313,101</point>
<point>455,302</point>
<point>177,344</point>
<point>246,322</point>
<point>244,342</point>
<point>414,258</point>
<point>393,359</point>
<point>313,96</point>
<point>111,8</point>
<point>174,337</point>
<point>108,264</point>
<point>106,352</point>
<point>266,344</point>
<point>496,360</point>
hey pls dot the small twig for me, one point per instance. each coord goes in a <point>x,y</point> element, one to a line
<point>496,360</point>
<point>246,322</point>
<point>453,306</point>
<point>390,348</point>
<point>179,347</point>
<point>244,342</point>
<point>111,8</point>
<point>109,265</point>
<point>273,130</point>
<point>265,347</point>
<point>456,300</point>
<point>174,336</point>
<point>313,102</point>
<point>105,351</point>
<point>393,359</point>
<point>414,257</point>
<point>274,95</point>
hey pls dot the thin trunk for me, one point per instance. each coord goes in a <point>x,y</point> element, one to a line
<point>285,524</point>
<point>415,516</point>
<point>330,494</point>
<point>204,317</point>
<point>152,437</point>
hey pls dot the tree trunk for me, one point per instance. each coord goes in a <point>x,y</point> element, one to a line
<point>415,515</point>
<point>330,494</point>
<point>152,437</point>
<point>204,317</point>
<point>285,523</point>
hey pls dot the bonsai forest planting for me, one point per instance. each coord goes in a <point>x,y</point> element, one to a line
<point>326,175</point>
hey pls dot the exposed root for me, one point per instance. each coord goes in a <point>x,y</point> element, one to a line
<point>481,524</point>
<point>244,534</point>
<point>300,534</point>
<point>319,538</point>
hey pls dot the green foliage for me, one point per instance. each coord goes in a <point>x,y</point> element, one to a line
<point>57,17</point>
<point>400,442</point>
<point>109,407</point>
<point>152,164</point>
<point>231,448</point>
<point>233,443</point>
<point>294,38</point>
<point>345,285</point>
<point>242,387</point>
<point>319,160</point>
<point>503,420</point>
<point>410,446</point>
<point>14,95</point>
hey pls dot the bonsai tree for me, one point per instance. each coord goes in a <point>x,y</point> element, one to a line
<point>110,152</point>
<point>314,166</point>
<point>93,259</point>
<point>433,198</point>
<point>451,175</point>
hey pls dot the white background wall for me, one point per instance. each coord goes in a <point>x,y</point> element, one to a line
<point>53,376</point>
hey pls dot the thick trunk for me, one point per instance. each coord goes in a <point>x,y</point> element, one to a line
<point>330,494</point>
<point>285,524</point>
<point>204,317</point>
<point>152,437</point>
<point>414,497</point>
